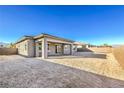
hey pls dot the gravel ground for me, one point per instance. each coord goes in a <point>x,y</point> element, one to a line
<point>20,72</point>
<point>99,63</point>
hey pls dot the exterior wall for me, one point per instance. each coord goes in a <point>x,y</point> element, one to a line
<point>37,51</point>
<point>44,48</point>
<point>31,46</point>
<point>75,48</point>
<point>26,48</point>
<point>52,43</point>
<point>81,46</point>
<point>51,50</point>
<point>8,51</point>
<point>22,48</point>
<point>87,46</point>
<point>67,49</point>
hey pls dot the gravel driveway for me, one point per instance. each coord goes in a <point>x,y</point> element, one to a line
<point>17,71</point>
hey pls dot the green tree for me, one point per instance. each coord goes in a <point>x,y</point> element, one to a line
<point>105,44</point>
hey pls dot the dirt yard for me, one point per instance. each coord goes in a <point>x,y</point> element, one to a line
<point>17,72</point>
<point>99,63</point>
<point>118,52</point>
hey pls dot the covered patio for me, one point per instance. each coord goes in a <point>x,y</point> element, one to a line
<point>52,47</point>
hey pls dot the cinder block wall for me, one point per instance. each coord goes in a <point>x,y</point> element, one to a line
<point>8,51</point>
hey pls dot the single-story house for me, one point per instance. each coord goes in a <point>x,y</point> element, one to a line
<point>80,45</point>
<point>44,45</point>
<point>3,45</point>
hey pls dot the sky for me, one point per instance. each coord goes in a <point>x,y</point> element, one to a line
<point>90,24</point>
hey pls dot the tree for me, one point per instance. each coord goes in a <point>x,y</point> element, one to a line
<point>105,44</point>
<point>12,45</point>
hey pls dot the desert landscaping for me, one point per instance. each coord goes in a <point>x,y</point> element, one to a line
<point>93,62</point>
<point>119,55</point>
<point>84,69</point>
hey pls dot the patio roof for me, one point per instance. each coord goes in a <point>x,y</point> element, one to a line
<point>51,36</point>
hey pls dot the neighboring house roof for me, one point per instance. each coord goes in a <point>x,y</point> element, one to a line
<point>79,43</point>
<point>2,44</point>
<point>41,36</point>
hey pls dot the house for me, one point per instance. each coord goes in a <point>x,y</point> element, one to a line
<point>44,45</point>
<point>80,45</point>
<point>3,45</point>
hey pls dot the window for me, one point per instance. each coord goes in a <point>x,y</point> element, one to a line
<point>39,43</point>
<point>48,46</point>
<point>74,47</point>
<point>65,46</point>
<point>56,49</point>
<point>40,48</point>
<point>25,46</point>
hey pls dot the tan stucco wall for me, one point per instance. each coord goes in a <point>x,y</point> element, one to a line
<point>26,48</point>
<point>37,49</point>
<point>66,49</point>
<point>74,48</point>
<point>81,46</point>
<point>21,48</point>
<point>51,50</point>
<point>31,48</point>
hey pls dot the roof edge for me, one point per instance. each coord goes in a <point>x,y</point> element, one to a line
<point>41,36</point>
<point>52,36</point>
<point>23,39</point>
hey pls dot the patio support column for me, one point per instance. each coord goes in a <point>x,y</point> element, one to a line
<point>71,49</point>
<point>62,49</point>
<point>44,48</point>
